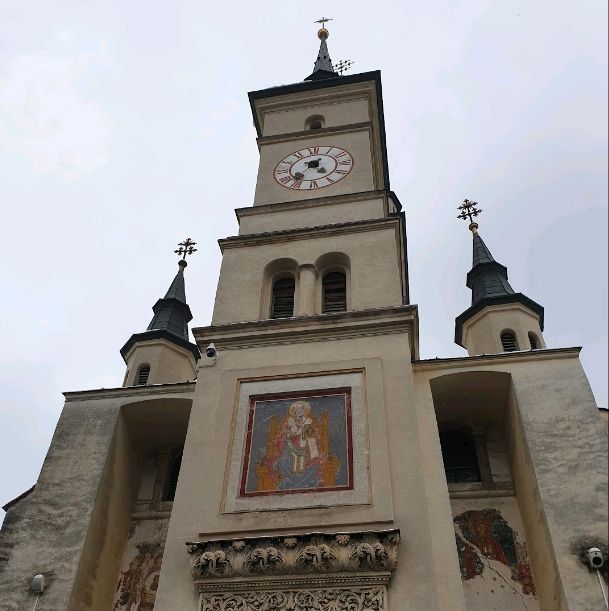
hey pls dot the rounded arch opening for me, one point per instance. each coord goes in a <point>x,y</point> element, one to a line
<point>315,122</point>
<point>534,341</point>
<point>334,282</point>
<point>509,343</point>
<point>279,285</point>
<point>460,456</point>
<point>142,375</point>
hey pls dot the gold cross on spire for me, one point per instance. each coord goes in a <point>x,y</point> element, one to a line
<point>323,21</point>
<point>186,248</point>
<point>469,211</point>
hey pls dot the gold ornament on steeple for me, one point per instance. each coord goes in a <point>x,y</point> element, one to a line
<point>469,211</point>
<point>323,34</point>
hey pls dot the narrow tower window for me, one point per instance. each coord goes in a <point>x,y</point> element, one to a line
<point>142,375</point>
<point>314,122</point>
<point>172,476</point>
<point>508,341</point>
<point>533,341</point>
<point>282,305</point>
<point>334,292</point>
<point>460,458</point>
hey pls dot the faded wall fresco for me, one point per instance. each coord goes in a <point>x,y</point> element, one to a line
<point>141,566</point>
<point>493,555</point>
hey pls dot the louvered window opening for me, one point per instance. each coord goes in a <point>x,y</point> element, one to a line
<point>533,341</point>
<point>283,298</point>
<point>508,341</point>
<point>460,458</point>
<point>172,477</point>
<point>334,292</point>
<point>142,376</point>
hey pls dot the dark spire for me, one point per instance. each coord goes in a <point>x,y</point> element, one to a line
<point>323,64</point>
<point>171,313</point>
<point>487,278</point>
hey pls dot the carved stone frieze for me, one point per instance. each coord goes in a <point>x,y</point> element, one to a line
<point>355,599</point>
<point>317,553</point>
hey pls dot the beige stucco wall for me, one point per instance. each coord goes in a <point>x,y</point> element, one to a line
<point>482,333</point>
<point>168,363</point>
<point>558,451</point>
<point>375,272</point>
<point>427,575</point>
<point>283,120</point>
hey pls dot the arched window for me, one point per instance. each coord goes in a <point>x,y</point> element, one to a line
<point>334,292</point>
<point>314,122</point>
<point>508,341</point>
<point>142,375</point>
<point>460,458</point>
<point>173,473</point>
<point>533,341</point>
<point>282,299</point>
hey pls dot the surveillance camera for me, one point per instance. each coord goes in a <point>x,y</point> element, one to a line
<point>211,351</point>
<point>38,584</point>
<point>596,558</point>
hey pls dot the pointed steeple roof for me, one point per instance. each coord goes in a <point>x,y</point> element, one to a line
<point>323,67</point>
<point>487,279</point>
<point>171,317</point>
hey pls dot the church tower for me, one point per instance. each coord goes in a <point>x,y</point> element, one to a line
<point>300,455</point>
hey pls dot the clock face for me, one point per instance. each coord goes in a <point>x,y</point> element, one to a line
<point>313,168</point>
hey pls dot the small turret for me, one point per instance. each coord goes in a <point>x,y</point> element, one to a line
<point>499,319</point>
<point>163,353</point>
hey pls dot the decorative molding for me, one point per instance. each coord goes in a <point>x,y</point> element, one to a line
<point>355,599</point>
<point>282,562</point>
<point>152,390</point>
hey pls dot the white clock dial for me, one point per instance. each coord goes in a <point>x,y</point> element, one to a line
<point>313,167</point>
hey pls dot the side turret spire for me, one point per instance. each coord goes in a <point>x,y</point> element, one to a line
<point>488,281</point>
<point>323,67</point>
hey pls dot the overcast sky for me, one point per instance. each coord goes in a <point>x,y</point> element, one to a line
<point>125,127</point>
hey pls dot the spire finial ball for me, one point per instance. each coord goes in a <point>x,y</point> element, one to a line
<point>323,34</point>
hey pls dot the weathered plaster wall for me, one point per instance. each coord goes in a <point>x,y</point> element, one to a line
<point>493,555</point>
<point>55,522</point>
<point>141,565</point>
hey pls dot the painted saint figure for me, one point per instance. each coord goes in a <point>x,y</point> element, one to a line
<point>301,436</point>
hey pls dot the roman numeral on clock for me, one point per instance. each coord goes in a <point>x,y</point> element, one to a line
<point>296,184</point>
<point>298,155</point>
<point>313,184</point>
<point>314,150</point>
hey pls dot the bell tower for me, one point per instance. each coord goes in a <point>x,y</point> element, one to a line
<point>310,383</point>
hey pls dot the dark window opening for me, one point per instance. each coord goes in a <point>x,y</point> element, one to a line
<point>508,341</point>
<point>173,473</point>
<point>460,458</point>
<point>282,305</point>
<point>334,292</point>
<point>142,375</point>
<point>533,341</point>
<point>315,125</point>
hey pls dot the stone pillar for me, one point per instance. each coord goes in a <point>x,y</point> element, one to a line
<point>307,278</point>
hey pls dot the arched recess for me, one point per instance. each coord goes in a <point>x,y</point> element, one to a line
<point>329,263</point>
<point>314,122</point>
<point>277,269</point>
<point>509,341</point>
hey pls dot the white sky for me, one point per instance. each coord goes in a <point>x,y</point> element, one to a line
<point>125,127</point>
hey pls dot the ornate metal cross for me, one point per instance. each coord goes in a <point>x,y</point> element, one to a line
<point>186,248</point>
<point>468,210</point>
<point>323,21</point>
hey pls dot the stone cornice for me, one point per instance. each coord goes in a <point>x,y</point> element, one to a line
<point>285,561</point>
<point>304,233</point>
<point>331,200</point>
<point>131,391</point>
<point>510,357</point>
<point>320,327</point>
